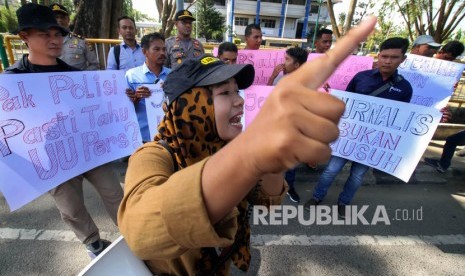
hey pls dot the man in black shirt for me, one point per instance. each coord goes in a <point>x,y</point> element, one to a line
<point>44,37</point>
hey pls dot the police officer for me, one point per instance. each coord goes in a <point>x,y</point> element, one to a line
<point>182,46</point>
<point>76,51</point>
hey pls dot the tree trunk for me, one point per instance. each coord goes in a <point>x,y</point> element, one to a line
<point>159,4</point>
<point>336,31</point>
<point>350,16</point>
<point>98,19</point>
<point>439,21</point>
<point>167,16</point>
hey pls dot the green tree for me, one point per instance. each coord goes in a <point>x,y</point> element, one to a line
<point>166,10</point>
<point>357,10</point>
<point>338,32</point>
<point>8,21</point>
<point>211,23</point>
<point>363,8</point>
<point>98,18</point>
<point>68,5</point>
<point>127,8</point>
<point>438,19</point>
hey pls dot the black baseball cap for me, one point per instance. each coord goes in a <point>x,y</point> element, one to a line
<point>35,16</point>
<point>204,71</point>
<point>183,14</point>
<point>59,9</point>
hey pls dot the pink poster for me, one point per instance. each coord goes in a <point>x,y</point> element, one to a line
<point>255,96</point>
<point>346,70</point>
<point>263,61</point>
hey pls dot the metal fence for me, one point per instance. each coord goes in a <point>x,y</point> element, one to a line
<point>15,48</point>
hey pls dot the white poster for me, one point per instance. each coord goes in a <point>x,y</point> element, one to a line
<point>154,107</point>
<point>432,79</point>
<point>388,135</point>
<point>54,126</point>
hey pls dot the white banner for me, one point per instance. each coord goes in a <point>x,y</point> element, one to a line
<point>432,79</point>
<point>154,107</point>
<point>387,135</point>
<point>54,126</point>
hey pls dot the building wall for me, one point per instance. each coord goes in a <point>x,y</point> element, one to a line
<point>272,11</point>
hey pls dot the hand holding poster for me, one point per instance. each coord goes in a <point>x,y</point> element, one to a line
<point>55,126</point>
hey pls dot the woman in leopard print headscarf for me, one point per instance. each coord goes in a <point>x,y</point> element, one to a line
<point>198,122</point>
<point>184,197</point>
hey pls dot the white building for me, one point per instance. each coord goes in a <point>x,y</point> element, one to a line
<point>270,15</point>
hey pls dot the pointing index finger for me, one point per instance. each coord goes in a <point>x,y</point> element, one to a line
<point>312,74</point>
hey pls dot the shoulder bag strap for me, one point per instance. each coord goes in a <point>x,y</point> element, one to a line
<point>386,86</point>
<point>117,51</point>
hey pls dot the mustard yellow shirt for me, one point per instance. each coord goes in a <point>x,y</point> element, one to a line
<point>163,216</point>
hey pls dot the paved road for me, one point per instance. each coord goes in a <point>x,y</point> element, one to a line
<point>34,240</point>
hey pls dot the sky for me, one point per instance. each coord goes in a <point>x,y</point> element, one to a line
<point>146,6</point>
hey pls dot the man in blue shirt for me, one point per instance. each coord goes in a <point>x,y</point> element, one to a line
<point>130,52</point>
<point>383,82</point>
<point>152,71</point>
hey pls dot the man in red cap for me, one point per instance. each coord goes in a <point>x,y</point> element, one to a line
<point>182,46</point>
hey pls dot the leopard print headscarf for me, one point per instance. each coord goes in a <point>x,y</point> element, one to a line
<point>189,129</point>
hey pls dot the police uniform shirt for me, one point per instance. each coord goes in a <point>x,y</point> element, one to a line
<point>78,53</point>
<point>176,51</point>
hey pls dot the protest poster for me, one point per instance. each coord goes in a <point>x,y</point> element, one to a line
<point>117,259</point>
<point>388,135</point>
<point>55,126</point>
<point>254,97</point>
<point>346,70</point>
<point>263,61</point>
<point>432,79</point>
<point>154,107</point>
